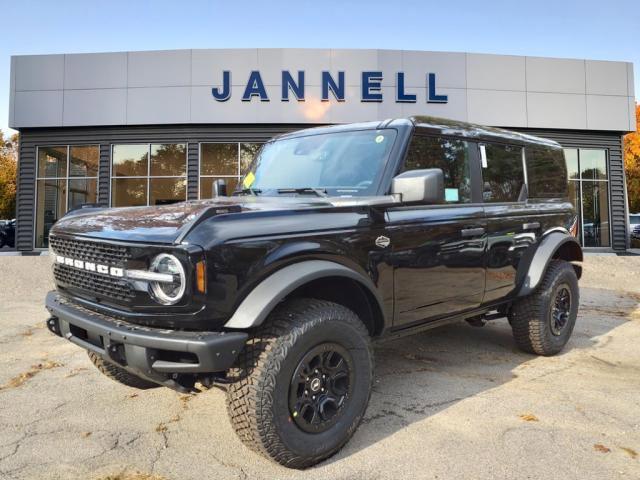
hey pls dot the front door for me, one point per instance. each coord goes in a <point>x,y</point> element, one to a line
<point>438,251</point>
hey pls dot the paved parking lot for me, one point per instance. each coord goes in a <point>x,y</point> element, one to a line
<point>456,402</point>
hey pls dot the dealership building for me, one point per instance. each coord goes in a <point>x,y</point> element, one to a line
<point>146,128</point>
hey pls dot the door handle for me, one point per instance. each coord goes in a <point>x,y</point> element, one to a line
<point>472,232</point>
<point>531,226</point>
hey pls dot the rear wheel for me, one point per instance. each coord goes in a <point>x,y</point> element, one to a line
<point>543,322</point>
<point>119,374</point>
<point>302,383</point>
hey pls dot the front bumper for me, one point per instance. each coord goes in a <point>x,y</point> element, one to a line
<point>156,354</point>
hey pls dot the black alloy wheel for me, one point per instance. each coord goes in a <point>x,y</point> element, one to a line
<point>560,309</point>
<point>320,387</point>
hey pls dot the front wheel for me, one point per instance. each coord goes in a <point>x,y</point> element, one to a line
<point>302,383</point>
<point>119,374</point>
<point>543,321</point>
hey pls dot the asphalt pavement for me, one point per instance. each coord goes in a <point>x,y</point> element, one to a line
<point>457,402</point>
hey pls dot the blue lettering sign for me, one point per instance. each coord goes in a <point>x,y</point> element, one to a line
<point>337,89</point>
<point>255,87</point>
<point>291,84</point>
<point>401,96</point>
<point>432,96</point>
<point>224,94</point>
<point>371,87</point>
<point>288,83</point>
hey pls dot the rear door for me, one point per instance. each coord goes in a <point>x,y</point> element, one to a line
<point>513,225</point>
<point>438,251</point>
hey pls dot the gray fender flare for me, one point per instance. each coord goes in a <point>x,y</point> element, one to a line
<point>255,307</point>
<point>542,255</point>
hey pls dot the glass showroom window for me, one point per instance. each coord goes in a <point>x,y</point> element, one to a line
<point>228,161</point>
<point>148,174</point>
<point>589,192</point>
<point>66,179</point>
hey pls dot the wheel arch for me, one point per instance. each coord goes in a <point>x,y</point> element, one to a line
<point>320,279</point>
<point>555,245</point>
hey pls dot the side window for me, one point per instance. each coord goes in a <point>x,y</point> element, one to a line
<point>449,155</point>
<point>547,171</point>
<point>502,172</point>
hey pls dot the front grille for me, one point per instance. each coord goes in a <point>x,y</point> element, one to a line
<point>97,252</point>
<point>101,285</point>
<point>93,283</point>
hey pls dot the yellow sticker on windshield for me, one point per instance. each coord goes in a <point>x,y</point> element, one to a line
<point>380,139</point>
<point>248,180</point>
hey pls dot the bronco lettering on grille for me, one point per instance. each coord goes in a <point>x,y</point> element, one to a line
<point>90,267</point>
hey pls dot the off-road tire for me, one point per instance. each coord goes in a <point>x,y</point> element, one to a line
<point>257,398</point>
<point>531,318</point>
<point>119,374</point>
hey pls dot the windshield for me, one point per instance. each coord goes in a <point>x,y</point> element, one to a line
<point>634,219</point>
<point>339,164</point>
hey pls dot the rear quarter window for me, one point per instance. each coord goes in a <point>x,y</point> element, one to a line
<point>503,175</point>
<point>546,172</point>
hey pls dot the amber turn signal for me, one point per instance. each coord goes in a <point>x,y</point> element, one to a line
<point>201,276</point>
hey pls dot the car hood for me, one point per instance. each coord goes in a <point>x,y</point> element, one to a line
<point>168,223</point>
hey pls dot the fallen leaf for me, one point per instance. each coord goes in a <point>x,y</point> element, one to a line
<point>132,476</point>
<point>75,372</point>
<point>85,434</point>
<point>133,395</point>
<point>529,417</point>
<point>185,399</point>
<point>601,448</point>
<point>161,428</point>
<point>630,451</point>
<point>35,369</point>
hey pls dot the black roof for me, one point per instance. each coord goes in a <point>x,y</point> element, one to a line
<point>445,126</point>
<point>435,125</point>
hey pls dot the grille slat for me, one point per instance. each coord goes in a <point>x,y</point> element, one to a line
<point>92,282</point>
<point>114,255</point>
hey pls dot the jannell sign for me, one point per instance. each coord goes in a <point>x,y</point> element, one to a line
<point>290,86</point>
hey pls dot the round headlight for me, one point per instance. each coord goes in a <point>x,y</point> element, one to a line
<point>168,293</point>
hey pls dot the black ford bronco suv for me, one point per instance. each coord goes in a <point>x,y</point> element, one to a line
<point>337,237</point>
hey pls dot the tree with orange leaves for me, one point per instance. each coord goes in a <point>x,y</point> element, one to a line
<point>632,165</point>
<point>8,183</point>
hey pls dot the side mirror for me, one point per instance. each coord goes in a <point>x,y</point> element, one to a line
<point>425,186</point>
<point>220,188</point>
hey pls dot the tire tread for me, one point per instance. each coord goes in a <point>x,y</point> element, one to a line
<point>119,374</point>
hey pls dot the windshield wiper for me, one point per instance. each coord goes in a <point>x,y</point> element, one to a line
<point>248,191</point>
<point>320,192</point>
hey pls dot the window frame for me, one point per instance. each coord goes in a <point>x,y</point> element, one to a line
<point>148,176</point>
<point>237,177</point>
<point>38,178</point>
<point>580,180</point>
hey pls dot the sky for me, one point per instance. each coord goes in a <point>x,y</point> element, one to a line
<point>602,30</point>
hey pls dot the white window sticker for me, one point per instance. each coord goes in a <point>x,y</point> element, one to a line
<point>483,156</point>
